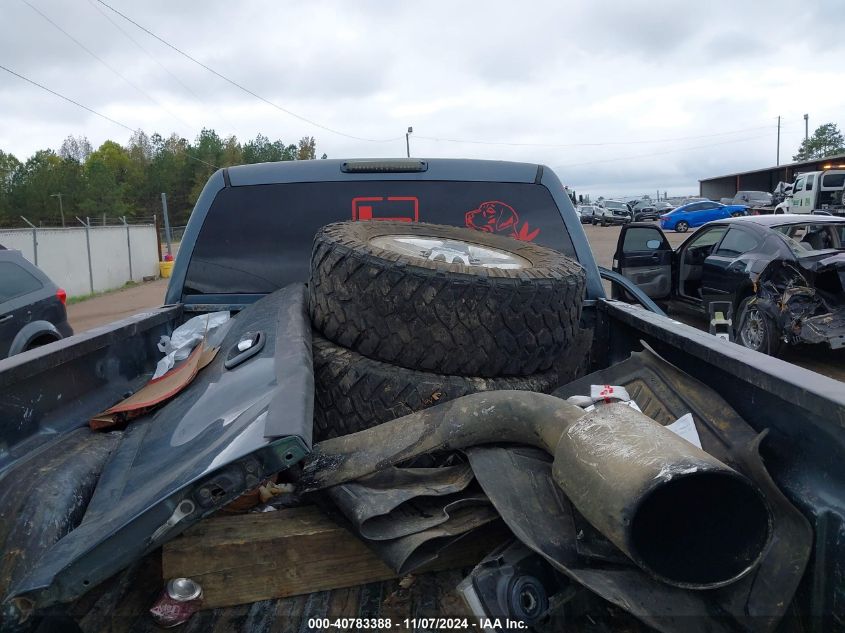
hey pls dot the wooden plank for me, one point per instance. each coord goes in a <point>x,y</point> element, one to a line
<point>251,557</point>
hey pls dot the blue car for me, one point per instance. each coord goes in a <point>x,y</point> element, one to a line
<point>699,213</point>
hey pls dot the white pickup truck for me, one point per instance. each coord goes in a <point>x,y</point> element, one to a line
<point>816,191</point>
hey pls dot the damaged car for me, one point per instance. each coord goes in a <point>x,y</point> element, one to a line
<point>779,280</point>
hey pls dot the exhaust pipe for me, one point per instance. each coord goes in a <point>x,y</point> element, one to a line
<point>680,514</point>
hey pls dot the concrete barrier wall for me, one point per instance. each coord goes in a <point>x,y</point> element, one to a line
<point>63,255</point>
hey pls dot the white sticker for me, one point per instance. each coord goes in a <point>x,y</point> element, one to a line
<point>608,393</point>
<point>685,427</point>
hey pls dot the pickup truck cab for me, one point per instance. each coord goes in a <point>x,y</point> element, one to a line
<point>116,497</point>
<point>816,191</point>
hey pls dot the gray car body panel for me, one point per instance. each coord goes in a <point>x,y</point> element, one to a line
<point>227,430</point>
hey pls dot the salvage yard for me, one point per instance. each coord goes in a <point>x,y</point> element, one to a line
<point>117,305</point>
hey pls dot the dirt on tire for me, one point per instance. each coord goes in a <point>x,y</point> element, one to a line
<point>354,393</point>
<point>444,317</point>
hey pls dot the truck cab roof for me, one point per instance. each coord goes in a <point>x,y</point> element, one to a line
<point>383,169</point>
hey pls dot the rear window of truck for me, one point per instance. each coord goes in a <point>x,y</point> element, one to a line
<point>256,239</point>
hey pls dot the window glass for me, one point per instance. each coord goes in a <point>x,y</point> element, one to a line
<point>256,239</point>
<point>799,185</point>
<point>810,179</point>
<point>802,238</point>
<point>737,242</point>
<point>833,181</point>
<point>637,239</point>
<point>16,281</point>
<point>708,237</point>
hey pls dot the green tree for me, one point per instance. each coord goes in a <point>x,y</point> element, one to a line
<point>826,141</point>
<point>307,149</point>
<point>9,168</point>
<point>33,184</point>
<point>77,148</point>
<point>117,180</point>
<point>170,174</point>
<point>205,156</point>
<point>232,152</point>
<point>106,176</point>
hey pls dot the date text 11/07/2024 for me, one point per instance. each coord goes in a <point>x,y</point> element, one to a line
<point>416,624</point>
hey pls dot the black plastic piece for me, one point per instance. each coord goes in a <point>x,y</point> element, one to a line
<point>515,583</point>
<point>235,356</point>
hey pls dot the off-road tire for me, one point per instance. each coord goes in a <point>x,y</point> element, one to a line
<point>353,393</point>
<point>443,317</point>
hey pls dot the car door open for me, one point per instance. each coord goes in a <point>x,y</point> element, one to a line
<point>644,256</point>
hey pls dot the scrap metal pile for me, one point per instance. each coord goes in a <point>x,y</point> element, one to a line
<point>804,311</point>
<point>681,527</point>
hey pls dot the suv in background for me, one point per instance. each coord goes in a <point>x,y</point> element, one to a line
<point>612,212</point>
<point>648,210</point>
<point>586,213</point>
<point>32,308</point>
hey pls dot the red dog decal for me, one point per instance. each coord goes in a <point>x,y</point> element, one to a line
<point>495,216</point>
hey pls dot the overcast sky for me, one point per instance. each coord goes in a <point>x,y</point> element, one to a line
<point>673,91</point>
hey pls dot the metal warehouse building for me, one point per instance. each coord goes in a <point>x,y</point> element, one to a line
<point>763,179</point>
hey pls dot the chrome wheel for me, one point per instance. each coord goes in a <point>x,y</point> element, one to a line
<point>451,251</point>
<point>753,331</point>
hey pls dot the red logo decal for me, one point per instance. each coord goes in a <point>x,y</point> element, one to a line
<point>498,217</point>
<point>396,208</point>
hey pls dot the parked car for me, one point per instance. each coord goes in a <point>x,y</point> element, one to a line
<point>781,276</point>
<point>648,210</point>
<point>612,212</point>
<point>699,213</point>
<point>86,513</point>
<point>586,213</point>
<point>32,308</point>
<point>752,199</point>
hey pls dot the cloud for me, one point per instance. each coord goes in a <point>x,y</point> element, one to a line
<point>562,75</point>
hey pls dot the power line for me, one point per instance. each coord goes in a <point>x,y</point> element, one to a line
<point>92,111</point>
<point>154,59</point>
<point>244,89</point>
<point>596,144</point>
<point>68,99</point>
<point>105,63</point>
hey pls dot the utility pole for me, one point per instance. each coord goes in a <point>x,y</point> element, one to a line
<point>408,141</point>
<point>61,207</point>
<point>777,160</point>
<point>806,127</point>
<point>166,224</point>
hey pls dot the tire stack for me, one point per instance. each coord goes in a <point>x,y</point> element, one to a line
<point>405,317</point>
